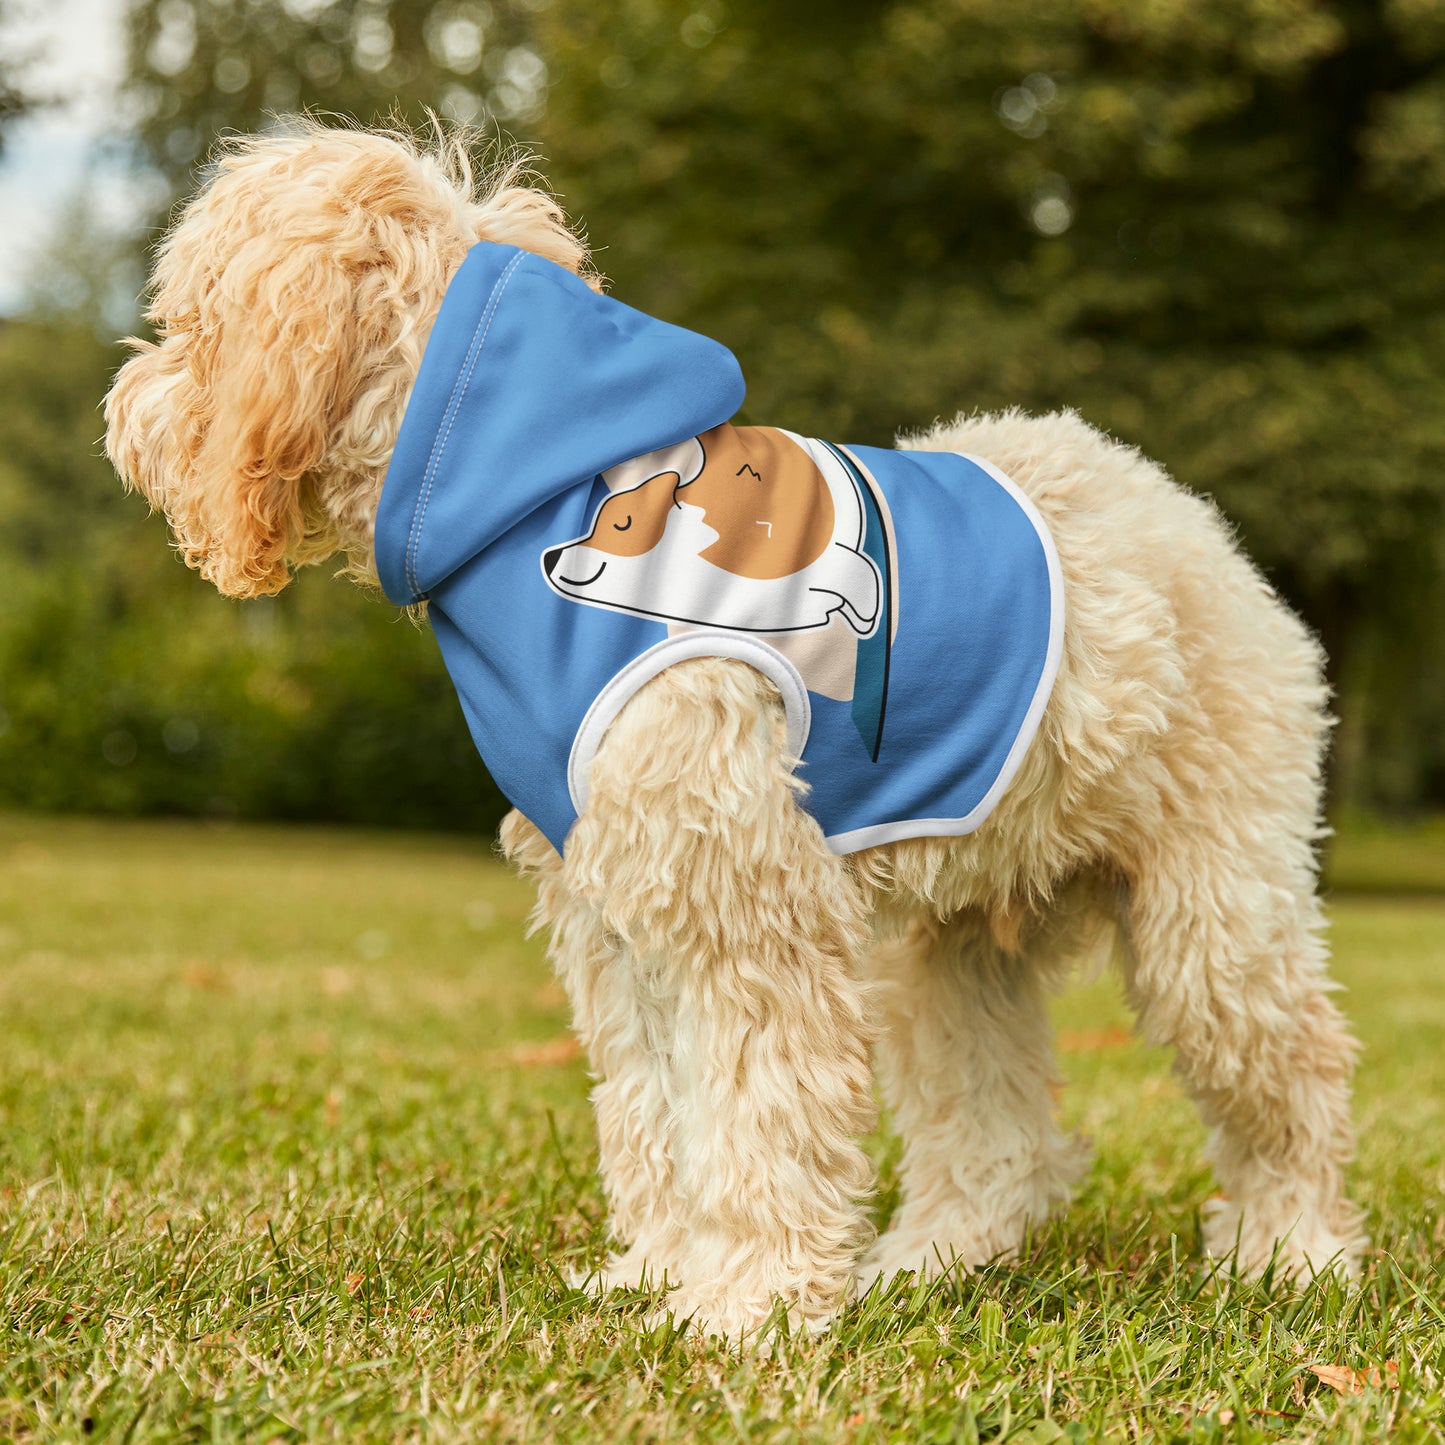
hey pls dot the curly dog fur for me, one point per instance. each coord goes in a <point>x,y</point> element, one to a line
<point>730,977</point>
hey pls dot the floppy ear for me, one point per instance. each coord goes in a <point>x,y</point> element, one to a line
<point>220,424</point>
<point>145,415</point>
<point>294,297</point>
<point>273,367</point>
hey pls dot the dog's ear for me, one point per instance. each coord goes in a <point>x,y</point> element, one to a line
<point>512,213</point>
<point>148,411</point>
<point>288,302</point>
<point>220,424</point>
<point>279,358</point>
<point>293,300</point>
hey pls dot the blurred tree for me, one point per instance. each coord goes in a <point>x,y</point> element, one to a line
<point>58,496</point>
<point>201,67</point>
<point>14,100</point>
<point>1213,226</point>
<point>1217,229</point>
<point>127,685</point>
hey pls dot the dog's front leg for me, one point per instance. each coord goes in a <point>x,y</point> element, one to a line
<point>742,930</point>
<point>622,1015</point>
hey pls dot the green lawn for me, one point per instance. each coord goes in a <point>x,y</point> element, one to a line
<point>1396,859</point>
<point>292,1146</point>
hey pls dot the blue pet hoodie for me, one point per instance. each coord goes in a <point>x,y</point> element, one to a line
<point>912,687</point>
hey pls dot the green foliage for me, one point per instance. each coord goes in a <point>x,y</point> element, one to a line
<point>14,100</point>
<point>323,705</point>
<point>127,685</point>
<point>1216,229</point>
<point>280,1157</point>
<point>200,67</point>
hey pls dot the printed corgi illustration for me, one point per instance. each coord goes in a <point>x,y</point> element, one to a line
<point>746,528</point>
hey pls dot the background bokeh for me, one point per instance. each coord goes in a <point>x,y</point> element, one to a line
<point>1214,227</point>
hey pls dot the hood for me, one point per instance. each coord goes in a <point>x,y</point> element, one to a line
<point>531,384</point>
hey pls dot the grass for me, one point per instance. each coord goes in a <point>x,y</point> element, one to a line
<point>1370,855</point>
<point>292,1146</point>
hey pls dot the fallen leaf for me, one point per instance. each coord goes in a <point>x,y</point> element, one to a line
<point>196,974</point>
<point>354,1283</point>
<point>552,1051</point>
<point>1346,1381</point>
<point>1083,1041</point>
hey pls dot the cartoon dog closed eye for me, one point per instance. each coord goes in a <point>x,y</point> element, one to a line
<point>738,528</point>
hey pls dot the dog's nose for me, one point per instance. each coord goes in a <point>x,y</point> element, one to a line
<point>551,559</point>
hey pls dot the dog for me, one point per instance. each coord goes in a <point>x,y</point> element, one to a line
<point>733,963</point>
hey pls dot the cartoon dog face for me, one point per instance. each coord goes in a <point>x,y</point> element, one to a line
<point>737,528</point>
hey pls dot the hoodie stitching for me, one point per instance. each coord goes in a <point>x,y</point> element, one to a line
<point>459,388</point>
<point>413,539</point>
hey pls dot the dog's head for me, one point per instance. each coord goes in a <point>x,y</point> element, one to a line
<point>292,301</point>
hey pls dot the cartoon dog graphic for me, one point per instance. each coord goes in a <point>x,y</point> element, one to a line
<point>746,528</point>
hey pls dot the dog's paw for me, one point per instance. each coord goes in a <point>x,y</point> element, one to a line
<point>929,1255</point>
<point>1299,1246</point>
<point>964,1229</point>
<point>634,1270</point>
<point>752,1324</point>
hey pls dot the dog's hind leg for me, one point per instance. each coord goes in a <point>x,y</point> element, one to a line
<point>692,851</point>
<point>1227,964</point>
<point>966,1062</point>
<point>1226,959</point>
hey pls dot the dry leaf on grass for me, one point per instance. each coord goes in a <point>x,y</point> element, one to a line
<point>1088,1041</point>
<point>1355,1382</point>
<point>195,974</point>
<point>552,1051</point>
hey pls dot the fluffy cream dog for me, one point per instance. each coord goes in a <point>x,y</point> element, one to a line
<point>730,976</point>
